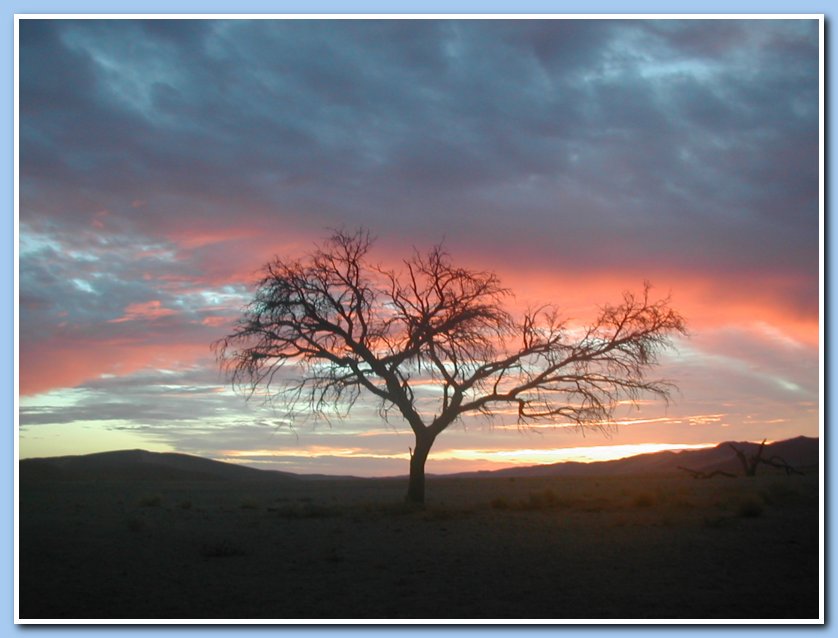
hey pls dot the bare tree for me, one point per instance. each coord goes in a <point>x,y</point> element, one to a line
<point>350,327</point>
<point>752,461</point>
<point>700,474</point>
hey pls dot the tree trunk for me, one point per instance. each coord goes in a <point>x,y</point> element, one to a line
<point>418,456</point>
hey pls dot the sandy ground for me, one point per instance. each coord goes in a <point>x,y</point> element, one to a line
<point>634,548</point>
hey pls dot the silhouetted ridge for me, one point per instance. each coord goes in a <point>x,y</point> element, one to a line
<point>800,452</point>
<point>140,465</point>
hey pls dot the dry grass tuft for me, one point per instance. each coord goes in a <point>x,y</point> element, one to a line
<point>750,508</point>
<point>715,522</point>
<point>500,503</point>
<point>150,501</point>
<point>643,500</point>
<point>540,500</point>
<point>249,504</point>
<point>221,549</point>
<point>135,524</point>
<point>543,500</point>
<point>306,510</point>
<point>780,494</point>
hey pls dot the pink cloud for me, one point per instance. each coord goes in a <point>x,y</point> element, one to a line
<point>189,239</point>
<point>147,311</point>
<point>215,321</point>
<point>217,258</point>
<point>56,363</point>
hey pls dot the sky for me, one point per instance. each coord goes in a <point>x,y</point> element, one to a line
<point>162,163</point>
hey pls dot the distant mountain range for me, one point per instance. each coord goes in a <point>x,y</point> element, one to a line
<point>141,465</point>
<point>801,453</point>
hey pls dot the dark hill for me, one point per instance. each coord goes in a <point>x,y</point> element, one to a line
<point>801,453</point>
<point>141,465</point>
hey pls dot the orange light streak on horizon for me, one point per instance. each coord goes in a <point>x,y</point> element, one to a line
<point>493,457</point>
<point>582,454</point>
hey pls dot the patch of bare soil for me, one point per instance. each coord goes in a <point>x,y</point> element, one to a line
<point>486,548</point>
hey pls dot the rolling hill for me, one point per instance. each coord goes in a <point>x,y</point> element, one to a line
<point>800,452</point>
<point>140,465</point>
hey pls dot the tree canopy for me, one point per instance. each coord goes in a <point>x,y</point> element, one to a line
<point>341,326</point>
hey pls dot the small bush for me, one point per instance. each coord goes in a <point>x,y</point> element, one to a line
<point>541,500</point>
<point>333,556</point>
<point>499,503</point>
<point>305,510</point>
<point>535,501</point>
<point>221,549</point>
<point>750,508</point>
<point>715,522</point>
<point>779,494</point>
<point>249,504</point>
<point>684,503</point>
<point>185,505</point>
<point>396,508</point>
<point>643,500</point>
<point>135,524</point>
<point>150,501</point>
<point>443,513</point>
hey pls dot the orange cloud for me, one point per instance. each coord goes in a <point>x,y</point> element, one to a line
<point>147,311</point>
<point>706,302</point>
<point>215,321</point>
<point>57,363</point>
<point>189,239</point>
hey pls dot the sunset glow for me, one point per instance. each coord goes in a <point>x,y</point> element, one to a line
<point>164,162</point>
<point>577,454</point>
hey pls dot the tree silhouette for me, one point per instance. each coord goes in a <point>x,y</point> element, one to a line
<point>348,326</point>
<point>752,461</point>
<point>749,463</point>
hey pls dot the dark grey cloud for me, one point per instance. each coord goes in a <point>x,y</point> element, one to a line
<point>149,398</point>
<point>83,287</point>
<point>372,120</point>
<point>639,146</point>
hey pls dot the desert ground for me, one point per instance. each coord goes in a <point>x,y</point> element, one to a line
<point>663,547</point>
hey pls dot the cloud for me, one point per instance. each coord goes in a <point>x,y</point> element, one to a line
<point>620,128</point>
<point>162,162</point>
<point>149,310</point>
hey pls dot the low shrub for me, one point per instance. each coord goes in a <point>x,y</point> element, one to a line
<point>714,522</point>
<point>643,500</point>
<point>499,503</point>
<point>443,513</point>
<point>750,508</point>
<point>535,501</point>
<point>135,524</point>
<point>221,549</point>
<point>249,504</point>
<point>779,494</point>
<point>305,510</point>
<point>545,499</point>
